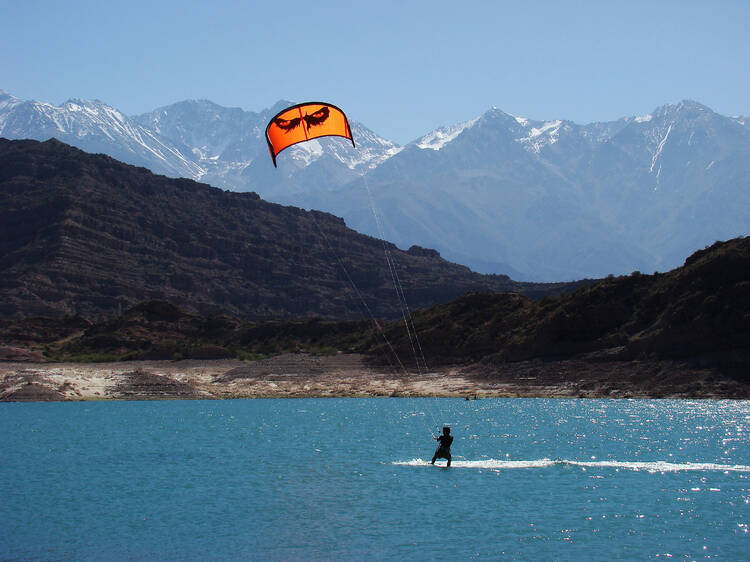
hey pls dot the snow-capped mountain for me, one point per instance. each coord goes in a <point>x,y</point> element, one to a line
<point>95,127</point>
<point>539,200</point>
<point>558,200</point>
<point>197,139</point>
<point>229,145</point>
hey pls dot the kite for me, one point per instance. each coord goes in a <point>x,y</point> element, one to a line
<point>303,122</point>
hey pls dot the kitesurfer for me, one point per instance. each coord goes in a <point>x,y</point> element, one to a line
<point>444,447</point>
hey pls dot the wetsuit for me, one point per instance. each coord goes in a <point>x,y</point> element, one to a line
<point>444,449</point>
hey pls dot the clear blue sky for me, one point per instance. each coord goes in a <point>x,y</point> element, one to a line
<point>401,67</point>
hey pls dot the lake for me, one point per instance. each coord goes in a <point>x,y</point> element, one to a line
<point>348,479</point>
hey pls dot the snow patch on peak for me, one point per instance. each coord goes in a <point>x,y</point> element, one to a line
<point>371,149</point>
<point>644,118</point>
<point>438,138</point>
<point>552,126</point>
<point>307,152</point>
<point>97,123</point>
<point>369,158</point>
<point>7,102</point>
<point>539,137</point>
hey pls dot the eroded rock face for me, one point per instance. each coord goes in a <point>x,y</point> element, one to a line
<point>86,235</point>
<point>699,312</point>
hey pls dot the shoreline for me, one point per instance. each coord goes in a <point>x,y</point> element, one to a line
<point>348,375</point>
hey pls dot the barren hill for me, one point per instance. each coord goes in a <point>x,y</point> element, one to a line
<point>85,234</point>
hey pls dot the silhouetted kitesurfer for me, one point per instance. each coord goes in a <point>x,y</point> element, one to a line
<point>444,447</point>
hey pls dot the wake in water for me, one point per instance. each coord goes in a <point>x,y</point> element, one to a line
<point>654,466</point>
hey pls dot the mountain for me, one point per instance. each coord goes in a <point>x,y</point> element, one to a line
<point>698,312</point>
<point>540,200</point>
<point>85,234</point>
<point>230,147</point>
<point>484,192</point>
<point>94,126</point>
<point>557,200</point>
<point>196,139</point>
<point>683,333</point>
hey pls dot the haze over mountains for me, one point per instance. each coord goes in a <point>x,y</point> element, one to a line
<point>536,200</point>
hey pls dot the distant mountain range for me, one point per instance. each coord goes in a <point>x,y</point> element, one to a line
<point>84,234</point>
<point>536,200</point>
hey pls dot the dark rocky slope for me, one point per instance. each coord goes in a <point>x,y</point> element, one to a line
<point>84,234</point>
<point>699,313</point>
<point>685,333</point>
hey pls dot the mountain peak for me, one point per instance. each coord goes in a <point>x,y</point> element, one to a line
<point>438,138</point>
<point>192,103</point>
<point>279,105</point>
<point>684,108</point>
<point>85,104</point>
<point>692,104</point>
<point>496,113</point>
<point>7,101</point>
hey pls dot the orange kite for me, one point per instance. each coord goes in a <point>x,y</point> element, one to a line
<point>303,122</point>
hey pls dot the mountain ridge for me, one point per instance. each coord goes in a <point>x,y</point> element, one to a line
<point>86,234</point>
<point>541,200</point>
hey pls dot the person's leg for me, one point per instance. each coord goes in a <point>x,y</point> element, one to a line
<point>448,456</point>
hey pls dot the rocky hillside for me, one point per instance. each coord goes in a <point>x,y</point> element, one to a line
<point>700,312</point>
<point>86,235</point>
<point>160,330</point>
<point>684,333</point>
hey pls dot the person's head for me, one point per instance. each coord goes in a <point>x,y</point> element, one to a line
<point>446,430</point>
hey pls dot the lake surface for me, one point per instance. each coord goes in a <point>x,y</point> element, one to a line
<point>347,479</point>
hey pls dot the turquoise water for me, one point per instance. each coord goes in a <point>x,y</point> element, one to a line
<point>347,479</point>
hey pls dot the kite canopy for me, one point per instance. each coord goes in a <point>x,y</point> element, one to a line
<point>303,122</point>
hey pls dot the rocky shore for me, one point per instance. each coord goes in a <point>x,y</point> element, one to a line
<point>349,375</point>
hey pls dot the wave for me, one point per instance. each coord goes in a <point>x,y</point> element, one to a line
<point>652,466</point>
